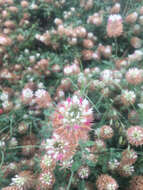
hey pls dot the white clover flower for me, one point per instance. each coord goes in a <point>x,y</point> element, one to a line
<point>83,172</point>
<point>128,169</point>
<point>46,178</point>
<point>18,181</point>
<point>113,164</point>
<point>40,85</point>
<point>12,166</point>
<point>6,75</point>
<point>5,104</point>
<point>47,160</point>
<point>61,93</point>
<point>4,96</point>
<point>27,93</point>
<point>67,163</point>
<point>138,55</point>
<point>134,72</point>
<point>56,147</point>
<point>37,36</point>
<point>68,70</point>
<point>40,92</point>
<point>106,76</point>
<point>129,95</point>
<point>3,40</point>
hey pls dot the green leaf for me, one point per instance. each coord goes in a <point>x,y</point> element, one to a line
<point>90,163</point>
<point>76,165</point>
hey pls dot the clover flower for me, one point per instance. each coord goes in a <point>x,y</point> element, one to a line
<point>72,119</point>
<point>42,98</point>
<point>67,164</point>
<point>4,96</point>
<point>129,156</point>
<point>27,95</point>
<point>128,97</point>
<point>59,149</point>
<point>46,180</point>
<point>106,182</point>
<point>135,135</point>
<point>99,146</point>
<point>136,183</point>
<point>131,18</point>
<point>47,162</point>
<point>134,76</point>
<point>24,180</point>
<point>114,26</point>
<point>113,164</point>
<point>125,169</point>
<point>83,172</point>
<point>106,132</point>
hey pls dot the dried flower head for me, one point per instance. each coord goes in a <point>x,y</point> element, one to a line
<point>133,117</point>
<point>99,146</point>
<point>129,156</point>
<point>134,76</point>
<point>87,55</point>
<point>13,9</point>
<point>7,106</point>
<point>136,42</point>
<point>11,168</point>
<point>24,4</point>
<point>114,26</point>
<point>22,127</point>
<point>131,18</point>
<point>136,183</point>
<point>121,63</point>
<point>106,182</point>
<point>87,43</point>
<point>128,97</point>
<point>42,98</point>
<point>5,40</point>
<point>24,180</point>
<point>9,24</point>
<point>106,132</point>
<point>125,170</point>
<point>95,19</point>
<point>115,9</point>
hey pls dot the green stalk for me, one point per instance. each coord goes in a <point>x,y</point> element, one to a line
<point>70,181</point>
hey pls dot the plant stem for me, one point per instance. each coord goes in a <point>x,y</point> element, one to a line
<point>116,46</point>
<point>70,180</point>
